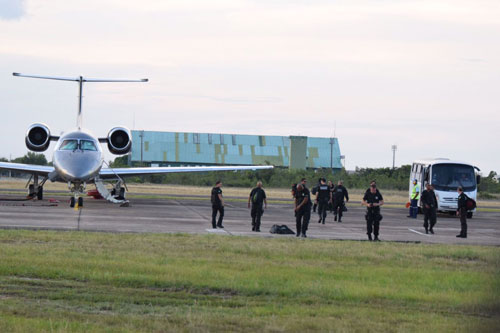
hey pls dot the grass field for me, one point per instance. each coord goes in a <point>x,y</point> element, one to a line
<point>77,281</point>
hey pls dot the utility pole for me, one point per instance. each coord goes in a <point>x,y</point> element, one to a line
<point>142,145</point>
<point>394,148</point>
<point>332,140</point>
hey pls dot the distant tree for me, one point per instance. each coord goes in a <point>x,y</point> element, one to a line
<point>490,184</point>
<point>32,158</point>
<point>120,162</point>
<point>3,159</point>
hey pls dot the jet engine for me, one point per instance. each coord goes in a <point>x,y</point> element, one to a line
<point>119,141</point>
<point>38,137</point>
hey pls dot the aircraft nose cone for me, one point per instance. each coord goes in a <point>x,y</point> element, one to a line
<point>77,166</point>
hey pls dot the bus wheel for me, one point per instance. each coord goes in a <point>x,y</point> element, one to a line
<point>469,215</point>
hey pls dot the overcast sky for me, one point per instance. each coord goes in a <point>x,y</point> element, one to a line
<point>424,75</point>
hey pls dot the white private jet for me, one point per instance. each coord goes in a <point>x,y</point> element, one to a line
<point>78,156</point>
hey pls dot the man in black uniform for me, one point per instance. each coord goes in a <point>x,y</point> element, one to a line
<point>339,193</point>
<point>429,203</point>
<point>330,204</point>
<point>302,209</point>
<point>258,198</point>
<point>323,197</point>
<point>373,200</point>
<point>462,212</point>
<point>314,191</point>
<point>217,204</point>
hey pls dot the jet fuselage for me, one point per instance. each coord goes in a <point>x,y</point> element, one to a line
<point>78,157</point>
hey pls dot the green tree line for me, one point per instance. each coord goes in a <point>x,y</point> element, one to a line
<point>387,178</point>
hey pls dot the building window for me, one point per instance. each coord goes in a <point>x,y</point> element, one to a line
<point>262,141</point>
<point>222,139</point>
<point>210,139</point>
<point>233,138</point>
<point>196,138</point>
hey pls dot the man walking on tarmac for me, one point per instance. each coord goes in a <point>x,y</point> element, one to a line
<point>339,193</point>
<point>429,203</point>
<point>217,204</point>
<point>415,195</point>
<point>373,200</point>
<point>462,212</point>
<point>323,197</point>
<point>258,198</point>
<point>302,209</point>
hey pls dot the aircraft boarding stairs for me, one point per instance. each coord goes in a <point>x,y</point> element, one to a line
<point>106,194</point>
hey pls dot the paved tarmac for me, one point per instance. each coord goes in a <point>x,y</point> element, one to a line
<point>193,215</point>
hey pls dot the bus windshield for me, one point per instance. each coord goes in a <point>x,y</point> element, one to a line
<point>447,177</point>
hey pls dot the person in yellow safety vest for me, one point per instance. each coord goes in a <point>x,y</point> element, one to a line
<point>415,196</point>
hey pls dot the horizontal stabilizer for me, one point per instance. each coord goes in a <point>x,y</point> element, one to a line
<point>77,79</point>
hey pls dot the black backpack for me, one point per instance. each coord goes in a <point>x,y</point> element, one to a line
<point>257,198</point>
<point>315,190</point>
<point>213,196</point>
<point>470,204</point>
<point>281,229</point>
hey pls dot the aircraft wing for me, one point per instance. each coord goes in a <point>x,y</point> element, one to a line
<point>43,170</point>
<point>129,172</point>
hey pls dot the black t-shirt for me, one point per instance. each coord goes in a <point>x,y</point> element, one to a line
<point>340,192</point>
<point>215,196</point>
<point>301,195</point>
<point>257,196</point>
<point>373,198</point>
<point>429,198</point>
<point>462,201</point>
<point>323,193</point>
<point>368,192</point>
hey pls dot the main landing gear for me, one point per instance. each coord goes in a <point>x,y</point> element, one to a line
<point>36,189</point>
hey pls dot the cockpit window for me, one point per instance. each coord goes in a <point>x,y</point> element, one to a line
<point>69,145</point>
<point>87,145</point>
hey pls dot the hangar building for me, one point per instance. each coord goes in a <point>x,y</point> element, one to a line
<point>178,148</point>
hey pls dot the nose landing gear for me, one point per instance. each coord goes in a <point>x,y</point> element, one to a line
<point>76,189</point>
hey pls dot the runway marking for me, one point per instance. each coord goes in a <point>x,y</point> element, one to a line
<point>418,232</point>
<point>217,231</point>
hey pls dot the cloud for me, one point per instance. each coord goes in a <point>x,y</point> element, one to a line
<point>11,9</point>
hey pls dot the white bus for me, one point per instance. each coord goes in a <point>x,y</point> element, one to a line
<point>446,175</point>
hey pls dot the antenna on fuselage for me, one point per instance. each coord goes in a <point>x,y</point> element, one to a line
<point>80,81</point>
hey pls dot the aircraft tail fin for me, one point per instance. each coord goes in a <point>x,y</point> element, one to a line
<point>80,80</point>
